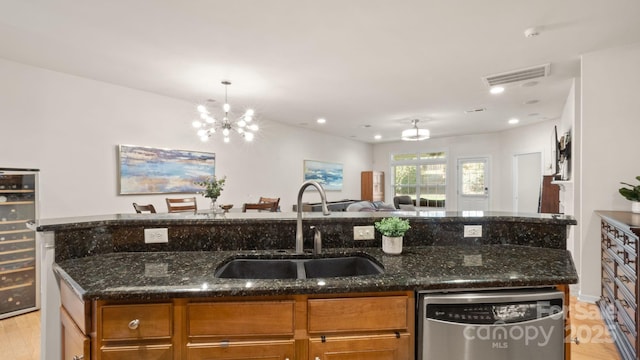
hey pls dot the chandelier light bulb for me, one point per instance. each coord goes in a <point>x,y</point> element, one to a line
<point>227,122</point>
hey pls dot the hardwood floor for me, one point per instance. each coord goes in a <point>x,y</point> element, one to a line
<point>20,335</point>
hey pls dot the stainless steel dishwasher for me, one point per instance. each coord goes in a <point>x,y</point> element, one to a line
<point>493,324</point>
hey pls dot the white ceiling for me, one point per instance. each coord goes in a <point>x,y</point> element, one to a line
<point>357,63</point>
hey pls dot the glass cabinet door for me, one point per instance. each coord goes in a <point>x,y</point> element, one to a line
<point>18,260</point>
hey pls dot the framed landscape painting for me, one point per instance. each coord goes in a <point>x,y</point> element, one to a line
<point>329,175</point>
<point>147,170</point>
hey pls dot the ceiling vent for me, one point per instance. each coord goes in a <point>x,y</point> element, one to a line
<point>515,76</point>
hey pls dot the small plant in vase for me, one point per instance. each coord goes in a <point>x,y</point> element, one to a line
<point>212,189</point>
<point>632,193</point>
<point>392,230</point>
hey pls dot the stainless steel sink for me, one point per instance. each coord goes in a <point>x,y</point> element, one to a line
<point>298,268</point>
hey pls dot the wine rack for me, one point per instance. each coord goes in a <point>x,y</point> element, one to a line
<point>18,256</point>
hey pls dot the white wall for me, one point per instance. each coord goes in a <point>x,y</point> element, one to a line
<point>69,128</point>
<point>608,147</point>
<point>498,147</point>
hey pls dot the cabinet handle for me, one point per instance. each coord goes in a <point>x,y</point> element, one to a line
<point>78,357</point>
<point>318,358</point>
<point>624,278</point>
<point>624,303</point>
<point>607,280</point>
<point>133,324</point>
<point>623,328</point>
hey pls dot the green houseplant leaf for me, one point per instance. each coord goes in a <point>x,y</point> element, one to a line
<point>630,192</point>
<point>392,226</point>
<point>212,186</point>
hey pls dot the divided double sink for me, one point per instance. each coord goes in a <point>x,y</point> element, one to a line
<point>296,268</point>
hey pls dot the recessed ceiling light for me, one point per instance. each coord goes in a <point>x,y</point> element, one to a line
<point>513,121</point>
<point>321,120</point>
<point>534,114</point>
<point>531,32</point>
<point>378,137</point>
<point>496,90</point>
<point>366,126</point>
<point>531,102</point>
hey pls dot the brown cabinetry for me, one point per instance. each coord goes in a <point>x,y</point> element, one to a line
<point>348,326</point>
<point>550,198</point>
<point>372,185</point>
<point>619,280</point>
<point>357,328</point>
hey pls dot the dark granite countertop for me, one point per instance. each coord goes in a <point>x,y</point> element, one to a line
<point>206,218</point>
<point>161,275</point>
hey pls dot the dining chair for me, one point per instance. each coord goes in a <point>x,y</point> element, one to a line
<point>144,208</point>
<point>274,201</point>
<point>267,206</point>
<point>182,205</point>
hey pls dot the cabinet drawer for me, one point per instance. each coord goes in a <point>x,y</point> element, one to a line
<point>357,314</point>
<point>374,347</point>
<point>154,321</point>
<point>263,350</point>
<point>623,306</point>
<point>241,318</point>
<point>626,329</point>
<point>146,352</point>
<point>626,283</point>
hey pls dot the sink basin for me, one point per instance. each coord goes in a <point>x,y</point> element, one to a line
<point>258,269</point>
<point>298,268</point>
<point>344,266</point>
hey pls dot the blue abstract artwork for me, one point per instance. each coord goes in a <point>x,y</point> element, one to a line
<point>146,170</point>
<point>329,175</point>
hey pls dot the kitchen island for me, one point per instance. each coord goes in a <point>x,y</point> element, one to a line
<point>107,272</point>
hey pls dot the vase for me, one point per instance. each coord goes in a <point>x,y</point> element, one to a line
<point>213,206</point>
<point>392,244</point>
<point>635,207</point>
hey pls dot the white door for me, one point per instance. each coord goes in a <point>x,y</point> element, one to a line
<point>527,172</point>
<point>473,184</point>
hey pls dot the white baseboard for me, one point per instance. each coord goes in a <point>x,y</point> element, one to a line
<point>588,298</point>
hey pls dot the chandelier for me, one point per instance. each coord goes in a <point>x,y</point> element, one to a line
<point>415,134</point>
<point>208,125</point>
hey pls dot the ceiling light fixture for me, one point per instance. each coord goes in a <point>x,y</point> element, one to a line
<point>321,121</point>
<point>415,134</point>
<point>496,90</point>
<point>377,136</point>
<point>513,121</point>
<point>208,125</point>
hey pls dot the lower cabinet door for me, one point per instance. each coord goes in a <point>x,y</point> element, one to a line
<point>241,350</point>
<point>75,344</point>
<point>374,347</point>
<point>142,352</point>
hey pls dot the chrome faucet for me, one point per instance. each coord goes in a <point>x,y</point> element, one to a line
<point>325,211</point>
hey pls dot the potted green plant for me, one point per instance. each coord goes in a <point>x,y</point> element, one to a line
<point>212,189</point>
<point>392,229</point>
<point>632,193</point>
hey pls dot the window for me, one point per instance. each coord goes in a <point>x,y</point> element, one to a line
<point>421,176</point>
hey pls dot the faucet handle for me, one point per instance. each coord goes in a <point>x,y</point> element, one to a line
<point>317,240</point>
